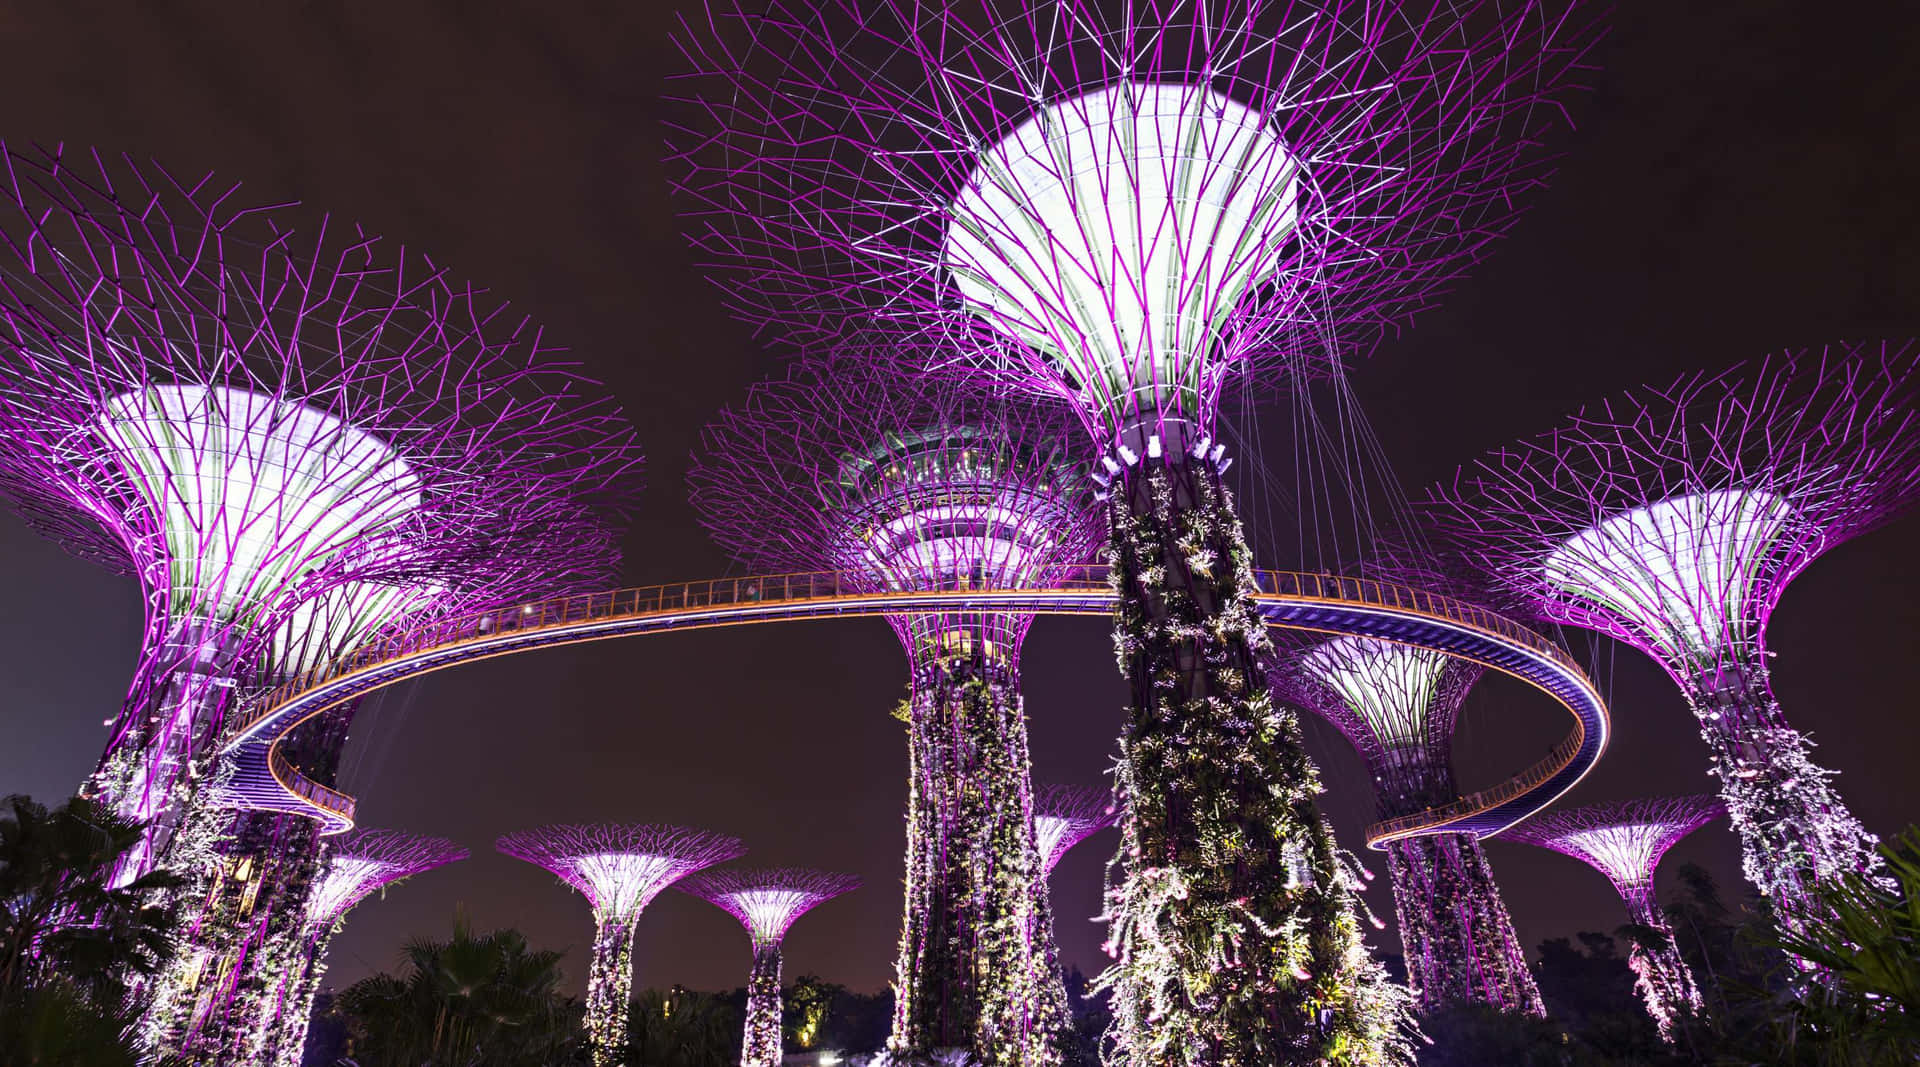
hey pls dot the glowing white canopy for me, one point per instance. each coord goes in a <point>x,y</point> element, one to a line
<point>625,882</point>
<point>334,623</point>
<point>1679,571</point>
<point>1390,686</point>
<point>1624,852</point>
<point>1119,229</point>
<point>769,911</point>
<point>346,880</point>
<point>253,490</point>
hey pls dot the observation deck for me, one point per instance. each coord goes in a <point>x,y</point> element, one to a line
<point>1291,600</point>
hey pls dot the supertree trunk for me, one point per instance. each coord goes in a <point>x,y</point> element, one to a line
<point>287,1037</point>
<point>1661,975</point>
<point>762,1046</point>
<point>970,974</point>
<point>1795,831</point>
<point>1235,925</point>
<point>1454,928</point>
<point>216,1003</point>
<point>609,989</point>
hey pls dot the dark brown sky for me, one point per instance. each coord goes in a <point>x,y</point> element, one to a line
<point>1743,179</point>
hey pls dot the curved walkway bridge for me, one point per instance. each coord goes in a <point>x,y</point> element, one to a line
<point>266,780</point>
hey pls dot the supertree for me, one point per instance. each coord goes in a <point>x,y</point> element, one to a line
<point>1397,705</point>
<point>620,869</point>
<point>1133,207</point>
<point>766,902</point>
<point>244,920</point>
<point>353,867</point>
<point>925,486</point>
<point>1065,815</point>
<point>246,417</point>
<point>1625,842</point>
<point>1673,519</point>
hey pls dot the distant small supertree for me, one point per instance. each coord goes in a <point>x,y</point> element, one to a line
<point>1673,520</point>
<point>766,902</point>
<point>923,486</point>
<point>1065,815</point>
<point>620,869</point>
<point>1625,842</point>
<point>354,866</point>
<point>1398,706</point>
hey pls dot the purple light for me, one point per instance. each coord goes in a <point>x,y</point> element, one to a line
<point>1065,815</point>
<point>929,487</point>
<point>1673,519</point>
<point>766,902</point>
<point>1398,706</point>
<point>246,417</point>
<point>1134,208</point>
<point>619,869</point>
<point>1625,842</point>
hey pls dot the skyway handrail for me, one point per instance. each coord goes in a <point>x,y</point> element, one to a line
<point>1083,589</point>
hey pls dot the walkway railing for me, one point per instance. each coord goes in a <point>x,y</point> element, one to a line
<point>725,601</point>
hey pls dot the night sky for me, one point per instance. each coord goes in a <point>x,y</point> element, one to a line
<point>1742,179</point>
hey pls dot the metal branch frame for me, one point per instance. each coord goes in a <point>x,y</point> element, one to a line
<point>1065,815</point>
<point>363,861</point>
<point>615,891</point>
<point>768,901</point>
<point>1133,207</point>
<point>1782,458</point>
<point>919,485</point>
<point>250,419</point>
<point>1624,841</point>
<point>1673,519</point>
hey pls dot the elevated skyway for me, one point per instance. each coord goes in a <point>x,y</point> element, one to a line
<point>1288,599</point>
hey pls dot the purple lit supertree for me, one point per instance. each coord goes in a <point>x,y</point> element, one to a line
<point>1673,519</point>
<point>354,866</point>
<point>1625,842</point>
<point>924,486</point>
<point>619,869</point>
<point>766,903</point>
<point>246,418</point>
<point>1065,815</point>
<point>1397,705</point>
<point>1135,207</point>
<point>239,932</point>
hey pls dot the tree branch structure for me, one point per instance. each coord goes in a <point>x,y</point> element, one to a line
<point>1625,842</point>
<point>619,868</point>
<point>1673,519</point>
<point>766,902</point>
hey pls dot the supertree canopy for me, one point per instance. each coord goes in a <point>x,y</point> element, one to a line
<point>766,902</point>
<point>1398,705</point>
<point>1625,842</point>
<point>620,869</point>
<point>1134,207</point>
<point>1673,519</point>
<point>217,1000</point>
<point>248,418</point>
<point>925,486</point>
<point>1065,815</point>
<point>354,866</point>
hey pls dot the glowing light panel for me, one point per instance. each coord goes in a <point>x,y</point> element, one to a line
<point>1119,229</point>
<point>1390,686</point>
<point>253,489</point>
<point>1681,570</point>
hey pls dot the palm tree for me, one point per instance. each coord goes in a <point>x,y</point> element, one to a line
<point>1864,1008</point>
<point>470,1001</point>
<point>59,917</point>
